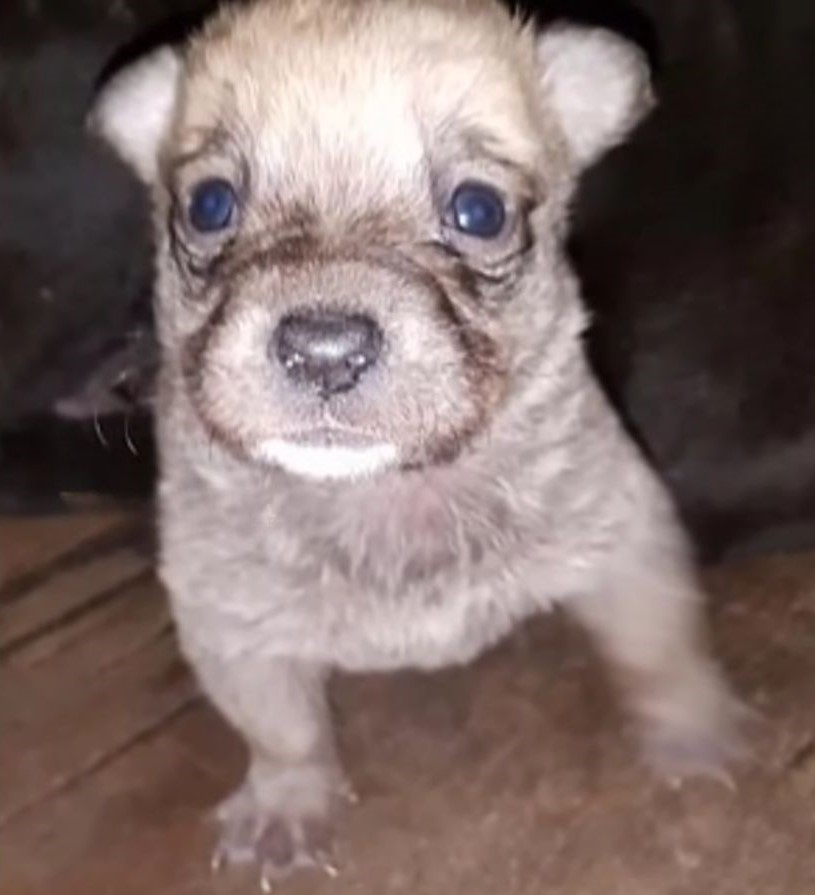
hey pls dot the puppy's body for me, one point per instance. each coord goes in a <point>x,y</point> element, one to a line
<point>397,180</point>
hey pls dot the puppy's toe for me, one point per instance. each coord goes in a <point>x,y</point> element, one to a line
<point>282,829</point>
<point>676,754</point>
<point>237,818</point>
<point>700,732</point>
<point>288,844</point>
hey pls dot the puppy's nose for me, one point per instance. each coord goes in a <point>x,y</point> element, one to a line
<point>327,350</point>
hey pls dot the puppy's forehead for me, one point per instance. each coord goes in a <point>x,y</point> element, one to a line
<point>308,87</point>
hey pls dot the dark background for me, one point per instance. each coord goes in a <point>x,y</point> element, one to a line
<point>694,242</point>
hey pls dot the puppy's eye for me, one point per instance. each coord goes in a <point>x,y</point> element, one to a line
<point>212,206</point>
<point>478,210</point>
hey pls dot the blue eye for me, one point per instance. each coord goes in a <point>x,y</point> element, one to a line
<point>212,205</point>
<point>478,210</point>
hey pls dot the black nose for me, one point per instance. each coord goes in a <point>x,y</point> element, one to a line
<point>327,350</point>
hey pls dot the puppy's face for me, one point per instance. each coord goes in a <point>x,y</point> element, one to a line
<point>359,208</point>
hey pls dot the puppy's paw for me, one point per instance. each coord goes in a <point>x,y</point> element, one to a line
<point>695,728</point>
<point>281,822</point>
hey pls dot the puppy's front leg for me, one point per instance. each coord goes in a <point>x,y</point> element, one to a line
<point>281,816</point>
<point>647,616</point>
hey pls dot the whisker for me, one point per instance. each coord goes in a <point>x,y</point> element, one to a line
<point>128,440</point>
<point>97,428</point>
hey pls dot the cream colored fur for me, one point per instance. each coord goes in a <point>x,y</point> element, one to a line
<point>493,479</point>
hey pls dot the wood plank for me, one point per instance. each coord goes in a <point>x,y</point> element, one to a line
<point>29,544</point>
<point>79,695</point>
<point>125,826</point>
<point>66,595</point>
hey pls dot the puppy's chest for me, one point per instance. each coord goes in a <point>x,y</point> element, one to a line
<point>359,622</point>
<point>413,581</point>
<point>381,589</point>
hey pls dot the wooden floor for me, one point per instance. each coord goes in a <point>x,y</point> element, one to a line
<point>512,776</point>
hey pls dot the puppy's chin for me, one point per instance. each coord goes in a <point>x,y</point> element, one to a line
<point>328,462</point>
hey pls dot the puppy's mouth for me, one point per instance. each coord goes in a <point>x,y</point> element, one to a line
<point>329,453</point>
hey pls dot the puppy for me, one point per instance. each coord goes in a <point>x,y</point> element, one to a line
<point>381,444</point>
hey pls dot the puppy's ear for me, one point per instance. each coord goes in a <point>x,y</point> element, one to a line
<point>134,110</point>
<point>598,85</point>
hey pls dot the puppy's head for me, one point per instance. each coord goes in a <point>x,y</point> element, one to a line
<point>359,207</point>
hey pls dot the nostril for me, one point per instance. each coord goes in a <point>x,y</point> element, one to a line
<point>330,351</point>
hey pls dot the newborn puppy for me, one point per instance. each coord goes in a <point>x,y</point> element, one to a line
<point>381,444</point>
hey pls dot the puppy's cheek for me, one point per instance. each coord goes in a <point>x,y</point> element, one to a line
<point>440,417</point>
<point>227,420</point>
<point>481,389</point>
<point>228,381</point>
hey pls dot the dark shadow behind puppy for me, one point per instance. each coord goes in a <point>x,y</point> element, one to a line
<point>74,247</point>
<point>695,246</point>
<point>76,329</point>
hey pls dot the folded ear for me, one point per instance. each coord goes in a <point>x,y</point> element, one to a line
<point>134,110</point>
<point>598,85</point>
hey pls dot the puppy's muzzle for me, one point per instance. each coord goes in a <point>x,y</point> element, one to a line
<point>327,351</point>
